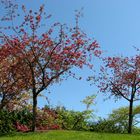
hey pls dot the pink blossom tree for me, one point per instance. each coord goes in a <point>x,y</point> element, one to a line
<point>46,55</point>
<point>120,77</point>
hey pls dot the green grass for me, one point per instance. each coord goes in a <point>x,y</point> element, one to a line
<point>70,135</point>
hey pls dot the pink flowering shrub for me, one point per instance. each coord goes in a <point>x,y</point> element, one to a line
<point>21,127</point>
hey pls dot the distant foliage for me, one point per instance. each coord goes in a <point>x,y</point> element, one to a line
<point>106,125</point>
<point>117,121</point>
<point>72,120</point>
<point>120,117</point>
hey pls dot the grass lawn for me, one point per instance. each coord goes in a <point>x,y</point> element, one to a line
<point>70,135</point>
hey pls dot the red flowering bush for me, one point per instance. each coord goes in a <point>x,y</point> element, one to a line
<point>21,127</point>
<point>55,127</point>
<point>46,119</point>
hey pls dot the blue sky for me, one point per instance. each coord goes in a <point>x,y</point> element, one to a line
<point>115,24</point>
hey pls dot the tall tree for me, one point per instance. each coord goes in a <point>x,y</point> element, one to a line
<point>44,58</point>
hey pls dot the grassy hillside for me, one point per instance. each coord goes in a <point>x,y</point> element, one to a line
<point>70,135</point>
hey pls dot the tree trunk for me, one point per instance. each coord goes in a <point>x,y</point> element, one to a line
<point>1,106</point>
<point>34,113</point>
<point>130,117</point>
<point>3,102</point>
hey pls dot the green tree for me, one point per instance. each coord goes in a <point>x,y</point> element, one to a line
<point>120,116</point>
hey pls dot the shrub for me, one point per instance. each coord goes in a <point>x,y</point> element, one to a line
<point>72,120</point>
<point>23,117</point>
<point>106,125</point>
<point>21,127</point>
<point>47,119</point>
<point>15,120</point>
<point>6,122</point>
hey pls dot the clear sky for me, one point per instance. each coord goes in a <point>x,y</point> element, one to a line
<point>115,24</point>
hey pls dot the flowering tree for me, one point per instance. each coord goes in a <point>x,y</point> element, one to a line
<point>11,78</point>
<point>8,13</point>
<point>121,77</point>
<point>43,58</point>
<point>8,63</point>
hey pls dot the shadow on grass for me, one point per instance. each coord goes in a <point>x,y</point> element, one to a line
<point>12,134</point>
